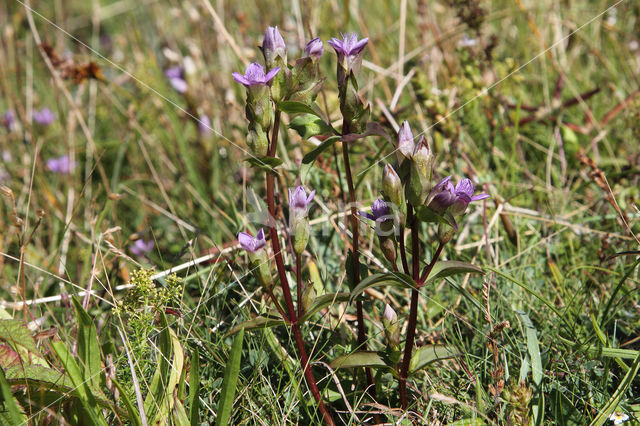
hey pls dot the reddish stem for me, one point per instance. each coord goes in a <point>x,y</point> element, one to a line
<point>284,283</point>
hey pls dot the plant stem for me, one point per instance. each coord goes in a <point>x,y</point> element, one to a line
<point>355,231</point>
<point>413,310</point>
<point>284,283</point>
<point>299,287</point>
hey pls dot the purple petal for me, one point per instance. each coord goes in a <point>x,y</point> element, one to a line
<point>174,72</point>
<point>179,85</point>
<point>246,241</point>
<point>480,197</point>
<point>311,195</point>
<point>239,78</point>
<point>465,187</point>
<point>357,47</point>
<point>337,45</point>
<point>271,74</point>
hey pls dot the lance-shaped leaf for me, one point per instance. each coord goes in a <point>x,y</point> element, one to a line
<point>267,164</point>
<point>231,373</point>
<point>445,268</point>
<point>425,355</point>
<point>315,152</point>
<point>322,302</point>
<point>255,323</point>
<point>295,107</point>
<point>359,359</point>
<point>391,279</point>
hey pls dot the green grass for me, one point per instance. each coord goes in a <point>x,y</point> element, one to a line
<point>549,333</point>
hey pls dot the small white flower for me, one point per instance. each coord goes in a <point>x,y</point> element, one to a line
<point>618,418</point>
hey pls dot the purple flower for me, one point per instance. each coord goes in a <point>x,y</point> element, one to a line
<point>314,49</point>
<point>61,165</point>
<point>299,202</point>
<point>273,46</point>
<point>175,72</point>
<point>349,51</point>
<point>349,46</point>
<point>176,79</point>
<point>250,243</point>
<point>445,196</point>
<point>379,211</point>
<point>204,124</point>
<point>254,75</point>
<point>141,247</point>
<point>44,117</point>
<point>9,120</point>
<point>405,140</point>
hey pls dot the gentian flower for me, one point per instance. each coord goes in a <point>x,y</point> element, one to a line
<point>254,75</point>
<point>61,165</point>
<point>44,117</point>
<point>314,49</point>
<point>250,243</point>
<point>349,51</point>
<point>204,124</point>
<point>9,120</point>
<point>176,79</point>
<point>299,202</point>
<point>379,211</point>
<point>258,256</point>
<point>273,47</point>
<point>405,140</point>
<point>141,247</point>
<point>445,196</point>
<point>299,223</point>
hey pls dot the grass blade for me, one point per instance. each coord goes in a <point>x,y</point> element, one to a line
<point>231,372</point>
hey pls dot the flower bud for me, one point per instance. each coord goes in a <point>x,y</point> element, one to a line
<point>308,296</point>
<point>406,146</point>
<point>314,49</point>
<point>299,222</point>
<point>388,248</point>
<point>390,323</point>
<point>422,156</point>
<point>391,186</point>
<point>273,48</point>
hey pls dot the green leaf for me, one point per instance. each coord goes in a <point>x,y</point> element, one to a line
<point>124,398</point>
<point>315,152</point>
<point>231,372</point>
<point>425,355</point>
<point>12,412</point>
<point>295,107</point>
<point>308,125</point>
<point>445,268</point>
<point>194,388</point>
<point>468,422</point>
<point>533,349</point>
<point>390,279</point>
<point>255,323</point>
<point>425,214</point>
<point>20,341</point>
<point>359,359</point>
<point>268,164</point>
<point>322,302</point>
<point>81,387</point>
<point>564,412</point>
<point>613,402</point>
<point>88,346</point>
<point>160,400</point>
